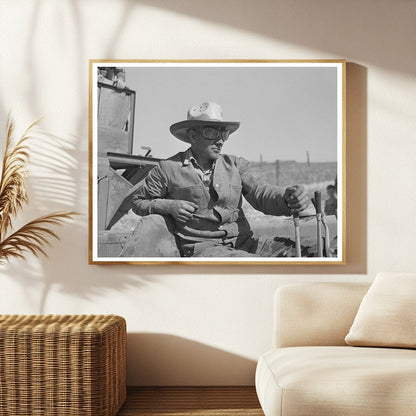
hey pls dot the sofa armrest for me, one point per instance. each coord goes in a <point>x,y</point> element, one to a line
<point>315,313</point>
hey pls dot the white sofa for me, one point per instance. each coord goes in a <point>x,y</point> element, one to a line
<point>311,371</point>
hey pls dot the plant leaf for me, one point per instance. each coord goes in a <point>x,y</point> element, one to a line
<point>12,183</point>
<point>33,237</point>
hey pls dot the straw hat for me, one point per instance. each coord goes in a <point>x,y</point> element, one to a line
<point>202,115</point>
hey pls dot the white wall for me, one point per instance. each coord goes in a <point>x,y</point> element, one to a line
<point>189,324</point>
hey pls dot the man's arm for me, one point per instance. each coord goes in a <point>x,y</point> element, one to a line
<point>150,198</point>
<point>270,199</point>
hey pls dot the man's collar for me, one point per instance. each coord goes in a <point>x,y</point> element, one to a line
<point>189,157</point>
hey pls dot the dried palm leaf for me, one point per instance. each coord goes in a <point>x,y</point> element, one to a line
<point>33,237</point>
<point>12,183</point>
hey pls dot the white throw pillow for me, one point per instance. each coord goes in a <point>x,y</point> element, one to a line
<point>387,314</point>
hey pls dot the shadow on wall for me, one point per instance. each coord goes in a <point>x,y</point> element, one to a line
<point>59,182</point>
<point>55,186</point>
<point>63,184</point>
<point>161,359</point>
<point>369,34</point>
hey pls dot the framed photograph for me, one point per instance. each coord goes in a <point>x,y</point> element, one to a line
<point>217,162</point>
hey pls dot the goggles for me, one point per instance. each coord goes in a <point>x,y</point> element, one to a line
<point>211,133</point>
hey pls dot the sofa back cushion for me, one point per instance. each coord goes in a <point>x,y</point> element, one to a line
<point>387,314</point>
<point>309,314</point>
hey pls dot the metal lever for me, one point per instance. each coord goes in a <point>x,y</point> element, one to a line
<point>318,208</point>
<point>297,233</point>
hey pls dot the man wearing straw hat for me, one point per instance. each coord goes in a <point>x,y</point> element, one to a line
<point>202,190</point>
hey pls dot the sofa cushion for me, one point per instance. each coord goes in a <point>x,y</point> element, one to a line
<point>387,314</point>
<point>315,314</point>
<point>342,381</point>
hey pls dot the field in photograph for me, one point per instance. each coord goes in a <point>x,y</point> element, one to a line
<point>315,176</point>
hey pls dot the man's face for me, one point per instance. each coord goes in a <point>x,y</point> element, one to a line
<point>204,148</point>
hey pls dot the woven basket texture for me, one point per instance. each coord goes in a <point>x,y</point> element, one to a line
<point>53,365</point>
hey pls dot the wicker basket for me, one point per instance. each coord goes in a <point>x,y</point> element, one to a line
<point>54,365</point>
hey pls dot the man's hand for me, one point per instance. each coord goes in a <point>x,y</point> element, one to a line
<point>296,198</point>
<point>181,211</point>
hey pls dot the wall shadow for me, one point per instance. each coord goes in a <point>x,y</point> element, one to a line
<point>55,186</point>
<point>340,28</point>
<point>64,185</point>
<point>58,180</point>
<point>169,360</point>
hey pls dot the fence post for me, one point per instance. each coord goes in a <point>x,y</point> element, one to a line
<point>277,172</point>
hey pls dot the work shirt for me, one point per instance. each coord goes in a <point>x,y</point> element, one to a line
<point>219,215</point>
<point>204,174</point>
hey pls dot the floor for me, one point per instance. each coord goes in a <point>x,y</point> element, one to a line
<point>187,401</point>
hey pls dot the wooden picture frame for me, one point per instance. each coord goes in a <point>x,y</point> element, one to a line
<point>292,132</point>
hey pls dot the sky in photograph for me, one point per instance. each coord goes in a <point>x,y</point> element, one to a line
<point>284,112</point>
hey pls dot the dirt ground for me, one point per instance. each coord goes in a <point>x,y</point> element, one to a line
<point>265,225</point>
<point>283,227</point>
